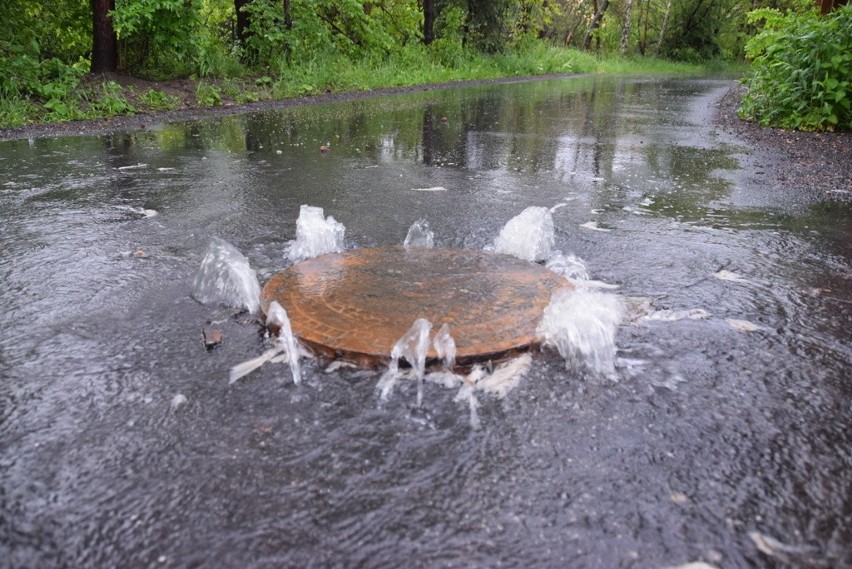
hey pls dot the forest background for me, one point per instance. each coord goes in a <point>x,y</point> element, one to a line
<point>65,60</point>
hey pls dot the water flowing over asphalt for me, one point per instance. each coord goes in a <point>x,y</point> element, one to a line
<point>723,435</point>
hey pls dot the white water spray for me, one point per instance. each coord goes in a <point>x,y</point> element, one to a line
<point>582,325</point>
<point>467,393</point>
<point>315,235</point>
<point>569,266</point>
<point>276,317</point>
<point>445,347</point>
<point>419,235</point>
<point>225,276</point>
<point>284,349</point>
<point>412,346</point>
<point>528,236</point>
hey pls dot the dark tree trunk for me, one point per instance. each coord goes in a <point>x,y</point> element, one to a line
<point>595,24</point>
<point>242,20</point>
<point>288,18</point>
<point>428,21</point>
<point>104,40</point>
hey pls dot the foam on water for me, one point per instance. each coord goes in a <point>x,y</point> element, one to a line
<point>528,236</point>
<point>582,325</point>
<point>225,276</point>
<point>315,235</point>
<point>419,235</point>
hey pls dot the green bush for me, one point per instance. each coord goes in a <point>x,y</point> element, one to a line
<point>158,100</point>
<point>208,95</point>
<point>802,70</point>
<point>111,101</point>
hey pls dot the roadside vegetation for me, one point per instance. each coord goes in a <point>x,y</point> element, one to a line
<point>66,60</point>
<point>802,70</point>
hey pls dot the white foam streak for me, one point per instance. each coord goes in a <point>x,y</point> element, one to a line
<point>315,235</point>
<point>506,377</point>
<point>241,370</point>
<point>285,348</point>
<point>225,276</point>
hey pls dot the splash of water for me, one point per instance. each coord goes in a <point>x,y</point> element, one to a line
<point>225,276</point>
<point>528,236</point>
<point>419,235</point>
<point>445,347</point>
<point>412,346</point>
<point>285,347</point>
<point>276,317</point>
<point>467,393</point>
<point>506,376</point>
<point>569,266</point>
<point>582,325</point>
<point>315,235</point>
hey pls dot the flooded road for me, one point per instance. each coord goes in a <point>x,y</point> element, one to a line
<point>720,433</point>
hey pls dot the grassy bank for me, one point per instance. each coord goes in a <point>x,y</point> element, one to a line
<point>68,93</point>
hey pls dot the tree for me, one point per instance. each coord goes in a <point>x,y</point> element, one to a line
<point>663,28</point>
<point>428,21</point>
<point>595,23</point>
<point>243,21</point>
<point>485,23</point>
<point>625,28</point>
<point>104,40</point>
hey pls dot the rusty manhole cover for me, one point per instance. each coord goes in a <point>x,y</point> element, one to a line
<point>355,305</point>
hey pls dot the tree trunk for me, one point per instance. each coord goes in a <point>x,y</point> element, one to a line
<point>428,21</point>
<point>242,20</point>
<point>288,18</point>
<point>104,40</point>
<point>595,24</point>
<point>659,45</point>
<point>625,28</point>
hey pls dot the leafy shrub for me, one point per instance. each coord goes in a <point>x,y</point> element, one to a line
<point>111,101</point>
<point>802,74</point>
<point>158,100</point>
<point>158,38</point>
<point>208,95</point>
<point>448,47</point>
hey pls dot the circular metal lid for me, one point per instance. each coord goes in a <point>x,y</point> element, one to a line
<point>356,305</point>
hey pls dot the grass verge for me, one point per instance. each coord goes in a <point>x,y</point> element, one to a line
<point>90,97</point>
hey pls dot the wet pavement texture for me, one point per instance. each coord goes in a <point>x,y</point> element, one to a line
<point>122,444</point>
